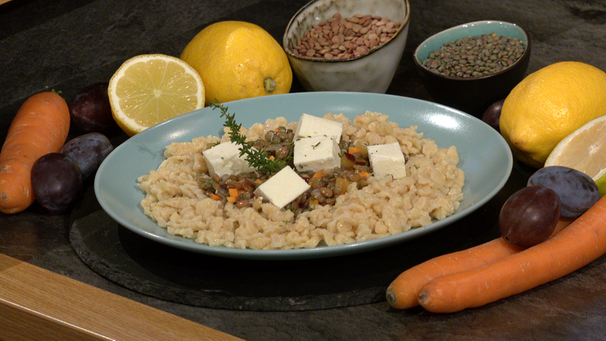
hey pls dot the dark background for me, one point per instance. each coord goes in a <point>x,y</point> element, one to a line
<point>66,45</point>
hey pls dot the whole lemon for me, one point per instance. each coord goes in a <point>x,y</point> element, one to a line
<point>238,60</point>
<point>548,105</point>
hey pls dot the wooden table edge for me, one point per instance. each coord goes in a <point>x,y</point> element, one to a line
<point>38,304</point>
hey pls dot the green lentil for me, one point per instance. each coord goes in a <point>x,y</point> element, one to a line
<point>475,56</point>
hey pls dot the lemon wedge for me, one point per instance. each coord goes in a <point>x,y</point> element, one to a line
<point>585,150</point>
<point>152,88</point>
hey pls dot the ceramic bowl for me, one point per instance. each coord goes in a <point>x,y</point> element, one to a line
<point>475,94</point>
<point>372,72</point>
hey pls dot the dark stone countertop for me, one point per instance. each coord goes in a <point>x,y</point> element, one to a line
<point>66,45</point>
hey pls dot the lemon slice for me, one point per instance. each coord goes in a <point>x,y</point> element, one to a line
<point>151,88</point>
<point>584,150</point>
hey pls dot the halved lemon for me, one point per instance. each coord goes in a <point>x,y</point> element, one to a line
<point>151,88</point>
<point>584,150</point>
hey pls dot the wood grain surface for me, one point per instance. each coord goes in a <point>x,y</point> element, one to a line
<point>37,304</point>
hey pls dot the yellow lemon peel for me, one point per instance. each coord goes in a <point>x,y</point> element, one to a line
<point>238,60</point>
<point>550,104</point>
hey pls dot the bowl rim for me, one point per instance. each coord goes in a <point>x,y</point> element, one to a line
<point>288,51</point>
<point>469,79</point>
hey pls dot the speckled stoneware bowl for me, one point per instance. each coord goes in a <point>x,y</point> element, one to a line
<point>475,94</point>
<point>371,72</point>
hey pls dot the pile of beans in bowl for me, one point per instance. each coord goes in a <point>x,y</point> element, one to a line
<point>343,38</point>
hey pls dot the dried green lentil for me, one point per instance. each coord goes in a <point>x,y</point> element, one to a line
<point>475,56</point>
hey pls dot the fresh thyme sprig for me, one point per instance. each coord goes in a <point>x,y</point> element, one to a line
<point>256,158</point>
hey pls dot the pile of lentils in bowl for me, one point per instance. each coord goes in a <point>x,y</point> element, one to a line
<point>475,56</point>
<point>341,38</point>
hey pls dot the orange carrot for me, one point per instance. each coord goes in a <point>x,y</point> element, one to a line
<point>576,246</point>
<point>403,292</point>
<point>215,197</point>
<point>40,127</point>
<point>364,174</point>
<point>353,149</point>
<point>233,192</point>
<point>318,174</point>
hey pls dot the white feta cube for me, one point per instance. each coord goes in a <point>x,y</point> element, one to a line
<point>387,159</point>
<point>225,159</point>
<point>310,125</point>
<point>315,153</point>
<point>283,187</point>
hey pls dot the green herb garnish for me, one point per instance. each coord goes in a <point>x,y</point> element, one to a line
<point>256,158</point>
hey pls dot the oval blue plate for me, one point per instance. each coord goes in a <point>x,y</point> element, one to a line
<point>485,158</point>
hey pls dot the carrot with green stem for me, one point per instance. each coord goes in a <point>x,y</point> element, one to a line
<point>40,127</point>
<point>403,291</point>
<point>582,242</point>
